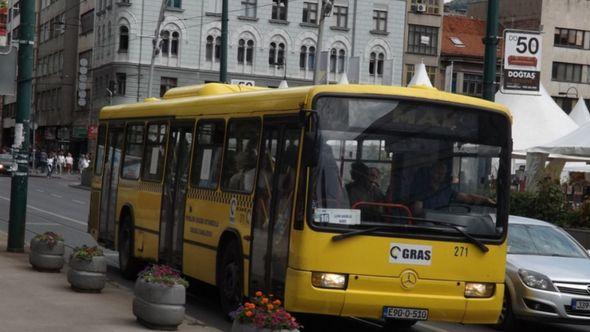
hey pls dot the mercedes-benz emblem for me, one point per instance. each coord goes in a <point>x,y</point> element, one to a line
<point>409,279</point>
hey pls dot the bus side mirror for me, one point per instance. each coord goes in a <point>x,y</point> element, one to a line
<point>310,153</point>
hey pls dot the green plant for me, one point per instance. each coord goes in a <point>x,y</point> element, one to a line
<point>162,274</point>
<point>49,238</point>
<point>86,253</point>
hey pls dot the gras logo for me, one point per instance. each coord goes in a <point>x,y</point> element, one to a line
<point>400,253</point>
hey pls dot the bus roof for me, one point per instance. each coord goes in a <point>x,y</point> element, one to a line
<point>219,99</point>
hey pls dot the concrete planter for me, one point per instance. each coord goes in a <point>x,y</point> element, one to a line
<point>240,327</point>
<point>46,258</point>
<point>88,275</point>
<point>158,306</point>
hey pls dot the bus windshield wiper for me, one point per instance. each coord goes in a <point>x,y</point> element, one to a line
<point>359,232</point>
<point>458,228</point>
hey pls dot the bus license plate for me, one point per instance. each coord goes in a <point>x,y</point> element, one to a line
<point>405,313</point>
<point>581,305</point>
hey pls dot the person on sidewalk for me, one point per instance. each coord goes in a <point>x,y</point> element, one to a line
<point>61,162</point>
<point>51,161</point>
<point>69,163</point>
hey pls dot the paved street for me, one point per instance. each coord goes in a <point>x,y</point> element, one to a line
<point>54,205</point>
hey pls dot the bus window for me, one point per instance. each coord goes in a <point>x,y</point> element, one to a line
<point>208,150</point>
<point>155,146</point>
<point>133,151</point>
<point>241,155</point>
<point>100,146</point>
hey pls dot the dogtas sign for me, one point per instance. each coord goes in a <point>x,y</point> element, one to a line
<point>522,62</point>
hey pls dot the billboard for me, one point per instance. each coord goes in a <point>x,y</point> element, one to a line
<point>3,20</point>
<point>522,62</point>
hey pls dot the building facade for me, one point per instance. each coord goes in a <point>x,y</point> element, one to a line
<point>56,75</point>
<point>422,38</point>
<point>7,117</point>
<point>566,42</point>
<point>269,40</point>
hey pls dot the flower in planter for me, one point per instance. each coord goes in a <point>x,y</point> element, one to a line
<point>86,253</point>
<point>49,238</point>
<point>162,274</point>
<point>265,312</point>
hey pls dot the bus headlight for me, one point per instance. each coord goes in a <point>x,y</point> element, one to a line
<point>479,289</point>
<point>329,280</point>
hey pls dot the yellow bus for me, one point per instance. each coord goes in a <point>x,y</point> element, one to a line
<point>376,202</point>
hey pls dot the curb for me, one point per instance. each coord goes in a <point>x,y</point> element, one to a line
<point>79,186</point>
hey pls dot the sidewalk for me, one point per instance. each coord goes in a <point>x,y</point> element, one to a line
<point>36,301</point>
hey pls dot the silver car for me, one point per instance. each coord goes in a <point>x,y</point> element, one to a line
<point>547,275</point>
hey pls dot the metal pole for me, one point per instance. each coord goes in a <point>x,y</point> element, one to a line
<point>156,47</point>
<point>491,42</point>
<point>140,51</point>
<point>224,27</point>
<point>18,191</point>
<point>326,10</point>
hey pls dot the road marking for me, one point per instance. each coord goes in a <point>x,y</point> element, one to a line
<point>42,224</point>
<point>79,202</point>
<point>51,213</point>
<point>432,328</point>
<point>39,190</point>
<point>56,195</point>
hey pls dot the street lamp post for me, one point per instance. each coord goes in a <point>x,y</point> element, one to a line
<point>325,11</point>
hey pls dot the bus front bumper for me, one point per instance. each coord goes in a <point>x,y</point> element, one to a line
<point>366,297</point>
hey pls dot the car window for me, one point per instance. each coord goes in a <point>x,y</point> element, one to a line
<point>541,240</point>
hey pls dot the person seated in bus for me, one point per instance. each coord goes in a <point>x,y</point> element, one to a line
<point>438,192</point>
<point>243,180</point>
<point>361,189</point>
<point>329,190</point>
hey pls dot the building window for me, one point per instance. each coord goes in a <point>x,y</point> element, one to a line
<point>430,6</point>
<point>121,83</point>
<point>341,14</point>
<point>279,10</point>
<point>174,4</point>
<point>569,72</point>
<point>87,22</point>
<point>249,7</point>
<point>422,39</point>
<point>276,55</point>
<point>174,44</point>
<point>572,38</point>
<point>123,39</point>
<point>217,48</point>
<point>310,13</point>
<point>167,83</point>
<point>376,63</point>
<point>431,71</point>
<point>165,43</point>
<point>379,21</point>
<point>209,49</point>
<point>250,52</point>
<point>337,60</point>
<point>472,85</point>
<point>245,51</point>
<point>241,51</point>
<point>307,58</point>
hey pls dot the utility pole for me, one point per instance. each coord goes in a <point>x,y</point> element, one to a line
<point>491,43</point>
<point>18,190</point>
<point>156,46</point>
<point>224,32</point>
<point>325,11</point>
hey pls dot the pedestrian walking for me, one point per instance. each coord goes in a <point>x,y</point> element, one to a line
<point>51,161</point>
<point>61,162</point>
<point>43,162</point>
<point>69,163</point>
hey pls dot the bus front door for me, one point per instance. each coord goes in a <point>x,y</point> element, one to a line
<point>275,191</point>
<point>174,194</point>
<point>110,181</point>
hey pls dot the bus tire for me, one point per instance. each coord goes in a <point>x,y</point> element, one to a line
<point>507,321</point>
<point>128,264</point>
<point>230,278</point>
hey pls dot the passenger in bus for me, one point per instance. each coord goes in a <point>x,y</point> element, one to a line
<point>438,193</point>
<point>243,180</point>
<point>362,190</point>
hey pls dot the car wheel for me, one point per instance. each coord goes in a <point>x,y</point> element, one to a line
<point>395,325</point>
<point>230,278</point>
<point>128,264</point>
<point>507,321</point>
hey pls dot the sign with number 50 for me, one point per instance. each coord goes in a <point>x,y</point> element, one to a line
<point>522,61</point>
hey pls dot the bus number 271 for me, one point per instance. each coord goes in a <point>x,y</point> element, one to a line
<point>461,251</point>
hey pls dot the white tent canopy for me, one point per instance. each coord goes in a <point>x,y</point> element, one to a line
<point>420,77</point>
<point>537,119</point>
<point>576,143</point>
<point>580,113</point>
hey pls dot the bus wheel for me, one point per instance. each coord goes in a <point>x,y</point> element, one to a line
<point>230,278</point>
<point>128,264</point>
<point>395,325</point>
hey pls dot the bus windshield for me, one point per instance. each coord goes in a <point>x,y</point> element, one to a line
<point>385,162</point>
